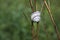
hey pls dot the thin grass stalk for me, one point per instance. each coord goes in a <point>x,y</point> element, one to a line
<point>37,31</point>
<point>34,35</point>
<point>30,1</point>
<point>37,27</point>
<point>46,31</point>
<point>42,7</point>
<point>44,23</point>
<point>33,32</point>
<point>52,19</point>
<point>26,18</point>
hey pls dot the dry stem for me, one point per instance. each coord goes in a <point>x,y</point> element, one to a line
<point>52,19</point>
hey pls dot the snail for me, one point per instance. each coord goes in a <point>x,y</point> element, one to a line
<point>35,16</point>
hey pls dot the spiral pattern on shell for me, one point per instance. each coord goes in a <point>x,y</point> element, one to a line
<point>35,16</point>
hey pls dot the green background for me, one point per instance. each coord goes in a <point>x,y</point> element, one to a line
<point>15,23</point>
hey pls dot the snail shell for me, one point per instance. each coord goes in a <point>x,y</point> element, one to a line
<point>35,16</point>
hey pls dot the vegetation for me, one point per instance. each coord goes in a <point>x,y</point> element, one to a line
<point>15,22</point>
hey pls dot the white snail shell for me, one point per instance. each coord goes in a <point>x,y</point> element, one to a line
<point>35,16</point>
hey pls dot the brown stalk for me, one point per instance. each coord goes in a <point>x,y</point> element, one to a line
<point>33,32</point>
<point>31,5</point>
<point>35,4</point>
<point>34,35</point>
<point>52,19</point>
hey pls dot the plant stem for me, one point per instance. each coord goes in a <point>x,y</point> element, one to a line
<point>37,31</point>
<point>31,5</point>
<point>52,19</point>
<point>33,32</point>
<point>34,35</point>
<point>37,28</point>
<point>46,31</point>
<point>26,18</point>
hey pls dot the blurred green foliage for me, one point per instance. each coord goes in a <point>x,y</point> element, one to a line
<point>15,20</point>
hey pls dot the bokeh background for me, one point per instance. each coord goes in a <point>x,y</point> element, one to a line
<point>15,19</point>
